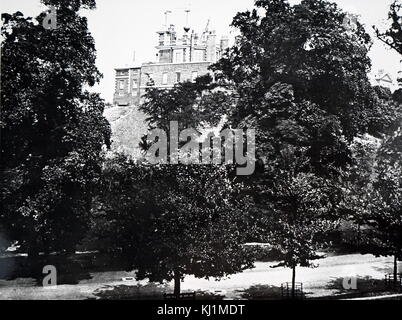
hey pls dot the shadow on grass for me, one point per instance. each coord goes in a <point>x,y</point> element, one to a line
<point>264,292</point>
<point>366,287</point>
<point>71,269</point>
<point>143,292</point>
<point>267,292</point>
<point>138,292</point>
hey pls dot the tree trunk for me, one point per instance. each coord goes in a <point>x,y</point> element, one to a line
<point>177,283</point>
<point>293,282</point>
<point>71,249</point>
<point>33,261</point>
<point>33,251</point>
<point>395,270</point>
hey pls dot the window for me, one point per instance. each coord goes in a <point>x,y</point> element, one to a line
<point>150,79</point>
<point>199,56</point>
<point>121,84</point>
<point>165,56</point>
<point>178,77</point>
<point>165,78</point>
<point>178,57</point>
<point>194,75</point>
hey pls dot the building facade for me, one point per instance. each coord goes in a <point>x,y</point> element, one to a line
<point>178,59</point>
<point>127,86</point>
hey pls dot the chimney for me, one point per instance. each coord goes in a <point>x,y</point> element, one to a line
<point>211,46</point>
<point>224,43</point>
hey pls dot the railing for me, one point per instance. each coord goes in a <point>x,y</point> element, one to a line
<point>286,289</point>
<point>391,283</point>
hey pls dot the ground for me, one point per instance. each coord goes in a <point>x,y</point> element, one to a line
<point>262,282</point>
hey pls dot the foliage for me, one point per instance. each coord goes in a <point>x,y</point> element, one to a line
<point>300,209</point>
<point>172,221</point>
<point>308,48</point>
<point>393,36</point>
<point>374,197</point>
<point>52,128</point>
<point>189,103</point>
<point>386,216</point>
<point>298,75</point>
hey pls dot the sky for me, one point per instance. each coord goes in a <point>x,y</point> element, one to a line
<point>122,27</point>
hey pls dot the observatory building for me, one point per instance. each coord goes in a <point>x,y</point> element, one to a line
<point>179,58</point>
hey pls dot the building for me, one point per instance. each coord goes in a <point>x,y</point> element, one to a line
<point>178,59</point>
<point>127,90</point>
<point>384,79</point>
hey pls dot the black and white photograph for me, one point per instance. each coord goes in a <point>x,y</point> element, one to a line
<point>203,152</point>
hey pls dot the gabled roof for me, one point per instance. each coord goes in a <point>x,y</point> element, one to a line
<point>384,77</point>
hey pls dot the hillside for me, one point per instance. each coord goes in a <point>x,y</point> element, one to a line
<point>128,127</point>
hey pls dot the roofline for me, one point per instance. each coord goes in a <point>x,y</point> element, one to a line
<point>175,63</point>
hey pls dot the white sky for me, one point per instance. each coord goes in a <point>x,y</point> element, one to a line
<point>121,27</point>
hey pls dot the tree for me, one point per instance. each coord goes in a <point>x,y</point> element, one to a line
<point>123,208</point>
<point>309,48</point>
<point>200,226</point>
<point>174,220</point>
<point>53,130</point>
<point>192,104</point>
<point>373,199</point>
<point>357,183</point>
<point>393,36</point>
<point>299,209</point>
<point>385,218</point>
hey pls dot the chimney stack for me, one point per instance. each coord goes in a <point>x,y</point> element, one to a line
<point>224,43</point>
<point>211,46</point>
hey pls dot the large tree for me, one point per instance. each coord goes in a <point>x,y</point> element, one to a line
<point>52,128</point>
<point>299,213</point>
<point>309,48</point>
<point>385,217</point>
<point>170,221</point>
